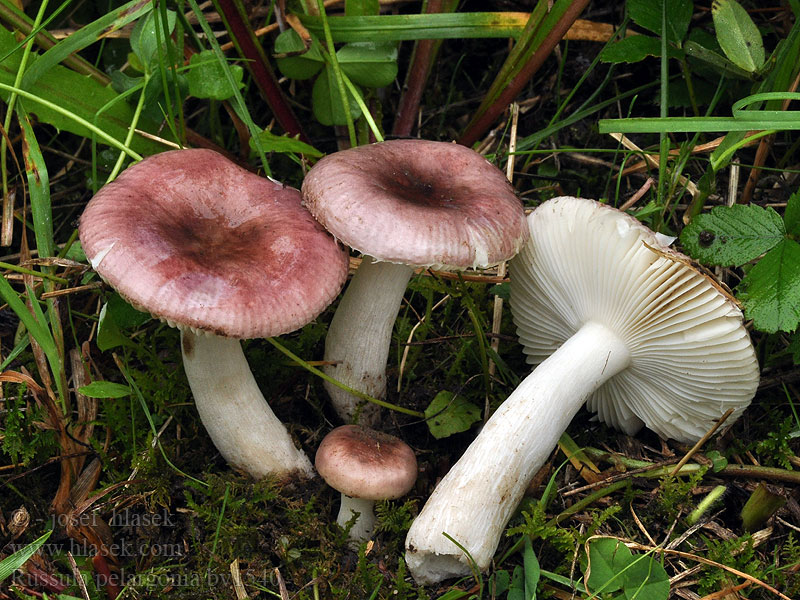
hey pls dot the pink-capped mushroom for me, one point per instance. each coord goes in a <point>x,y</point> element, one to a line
<point>223,255</point>
<point>404,204</point>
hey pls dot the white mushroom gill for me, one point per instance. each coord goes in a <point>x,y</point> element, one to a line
<point>609,316</point>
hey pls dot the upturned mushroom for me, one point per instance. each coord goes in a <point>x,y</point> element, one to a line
<point>403,204</point>
<point>222,254</point>
<point>608,314</point>
<point>365,465</point>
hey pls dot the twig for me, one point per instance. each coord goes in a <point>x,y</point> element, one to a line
<point>701,441</point>
<point>76,572</point>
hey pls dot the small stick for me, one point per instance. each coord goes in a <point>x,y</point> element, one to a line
<point>700,442</point>
<point>78,576</point>
<point>497,315</point>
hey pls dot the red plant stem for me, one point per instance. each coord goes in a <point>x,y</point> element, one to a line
<point>107,579</point>
<point>424,54</point>
<point>480,125</point>
<point>259,67</point>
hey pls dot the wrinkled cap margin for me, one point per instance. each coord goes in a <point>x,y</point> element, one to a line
<point>364,463</point>
<point>417,202</point>
<point>204,244</point>
<point>691,357</point>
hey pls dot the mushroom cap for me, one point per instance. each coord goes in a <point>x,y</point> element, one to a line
<point>364,463</point>
<point>691,357</point>
<point>418,202</point>
<point>202,243</point>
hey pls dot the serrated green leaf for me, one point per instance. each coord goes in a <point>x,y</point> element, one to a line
<point>105,389</point>
<point>738,36</point>
<point>647,14</point>
<point>791,216</point>
<point>283,143</point>
<point>326,102</point>
<point>305,64</point>
<point>770,291</point>
<point>733,235</point>
<point>448,414</point>
<point>207,78</point>
<point>371,64</point>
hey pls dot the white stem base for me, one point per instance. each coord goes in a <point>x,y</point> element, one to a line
<point>360,335</point>
<point>475,500</point>
<point>364,526</point>
<point>240,422</point>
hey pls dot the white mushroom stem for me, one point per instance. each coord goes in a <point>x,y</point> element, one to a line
<point>477,497</point>
<point>360,335</point>
<point>365,522</point>
<point>234,412</point>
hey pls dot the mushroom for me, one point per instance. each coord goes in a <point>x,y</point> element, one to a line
<point>608,313</point>
<point>404,204</point>
<point>222,254</point>
<point>365,465</point>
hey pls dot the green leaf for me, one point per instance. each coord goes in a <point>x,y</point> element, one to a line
<point>732,235</point>
<point>607,558</point>
<point>435,26</point>
<point>78,94</point>
<point>718,462</point>
<point>499,582</point>
<point>633,49</point>
<point>144,37</point>
<point>82,38</point>
<point>532,570</point>
<point>645,579</point>
<point>647,14</point>
<point>105,389</point>
<point>207,77</point>
<point>355,8</point>
<point>448,414</point>
<point>613,568</point>
<point>719,63</point>
<point>302,64</point>
<point>283,143</point>
<point>371,64</point>
<point>517,589</point>
<point>116,315</point>
<point>738,36</point>
<point>770,291</point>
<point>13,562</point>
<point>791,216</point>
<point>326,103</point>
<point>125,315</point>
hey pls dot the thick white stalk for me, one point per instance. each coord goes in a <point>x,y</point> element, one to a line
<point>364,526</point>
<point>477,497</point>
<point>234,412</point>
<point>360,335</point>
